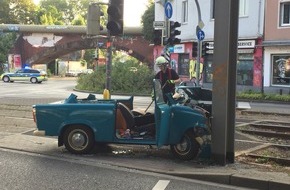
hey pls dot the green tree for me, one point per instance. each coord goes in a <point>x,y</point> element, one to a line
<point>79,20</point>
<point>18,12</point>
<point>66,11</point>
<point>147,20</point>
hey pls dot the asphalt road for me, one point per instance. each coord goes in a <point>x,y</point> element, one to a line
<point>25,93</point>
<point>21,171</point>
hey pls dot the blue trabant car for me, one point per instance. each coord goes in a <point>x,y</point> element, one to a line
<point>81,123</point>
<point>25,74</point>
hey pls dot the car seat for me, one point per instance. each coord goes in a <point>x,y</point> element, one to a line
<point>138,123</point>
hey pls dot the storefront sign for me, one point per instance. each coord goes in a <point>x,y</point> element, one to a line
<point>246,44</point>
<point>179,48</point>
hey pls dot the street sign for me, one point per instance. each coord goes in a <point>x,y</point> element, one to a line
<point>159,24</point>
<point>168,10</point>
<point>200,35</point>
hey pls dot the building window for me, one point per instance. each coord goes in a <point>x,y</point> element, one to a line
<point>285,14</point>
<point>212,9</point>
<point>184,11</point>
<point>281,70</point>
<point>243,8</point>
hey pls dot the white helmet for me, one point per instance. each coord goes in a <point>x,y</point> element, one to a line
<point>160,61</point>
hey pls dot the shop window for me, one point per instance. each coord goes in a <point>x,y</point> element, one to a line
<point>244,69</point>
<point>183,64</point>
<point>285,14</point>
<point>280,70</point>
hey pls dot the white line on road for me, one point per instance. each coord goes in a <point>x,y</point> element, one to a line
<point>161,185</point>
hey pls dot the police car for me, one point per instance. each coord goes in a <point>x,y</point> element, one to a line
<point>25,74</point>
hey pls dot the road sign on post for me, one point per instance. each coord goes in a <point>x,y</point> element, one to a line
<point>168,10</point>
<point>200,35</point>
<point>159,24</point>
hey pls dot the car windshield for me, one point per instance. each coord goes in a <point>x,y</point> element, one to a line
<point>158,91</point>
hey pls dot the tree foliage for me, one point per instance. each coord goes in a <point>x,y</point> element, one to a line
<point>147,22</point>
<point>64,11</point>
<point>18,12</point>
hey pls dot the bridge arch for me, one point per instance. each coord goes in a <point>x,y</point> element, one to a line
<point>73,38</point>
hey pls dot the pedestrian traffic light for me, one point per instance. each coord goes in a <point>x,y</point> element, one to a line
<point>115,17</point>
<point>204,49</point>
<point>194,49</point>
<point>157,40</point>
<point>172,33</point>
<point>93,20</point>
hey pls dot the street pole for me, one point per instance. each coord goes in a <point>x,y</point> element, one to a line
<point>198,27</point>
<point>109,63</point>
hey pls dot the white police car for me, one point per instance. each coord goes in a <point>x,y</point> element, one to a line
<point>25,74</point>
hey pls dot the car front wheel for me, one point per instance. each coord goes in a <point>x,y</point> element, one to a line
<point>187,148</point>
<point>6,79</point>
<point>78,139</point>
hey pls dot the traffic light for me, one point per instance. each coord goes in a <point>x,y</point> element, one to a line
<point>93,20</point>
<point>157,40</point>
<point>194,49</point>
<point>115,17</point>
<point>172,33</point>
<point>204,49</point>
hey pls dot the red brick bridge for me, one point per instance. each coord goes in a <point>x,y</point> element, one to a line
<point>62,40</point>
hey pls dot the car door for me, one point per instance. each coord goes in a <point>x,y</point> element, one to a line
<point>162,115</point>
<point>18,76</point>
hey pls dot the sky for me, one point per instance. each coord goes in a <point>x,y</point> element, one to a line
<point>133,11</point>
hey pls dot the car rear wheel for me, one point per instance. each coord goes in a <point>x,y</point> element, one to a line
<point>187,148</point>
<point>78,139</point>
<point>6,79</point>
<point>33,80</point>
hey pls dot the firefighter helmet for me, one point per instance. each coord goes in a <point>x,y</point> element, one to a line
<point>160,61</point>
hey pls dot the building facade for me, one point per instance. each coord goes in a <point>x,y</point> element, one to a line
<point>276,44</point>
<point>250,43</point>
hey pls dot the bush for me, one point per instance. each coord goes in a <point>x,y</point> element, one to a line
<point>250,95</point>
<point>126,77</point>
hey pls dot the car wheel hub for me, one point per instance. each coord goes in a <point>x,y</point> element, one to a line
<point>78,140</point>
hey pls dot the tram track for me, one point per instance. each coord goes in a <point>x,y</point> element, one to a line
<point>276,138</point>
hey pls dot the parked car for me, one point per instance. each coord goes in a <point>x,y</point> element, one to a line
<point>72,73</point>
<point>86,71</point>
<point>25,74</point>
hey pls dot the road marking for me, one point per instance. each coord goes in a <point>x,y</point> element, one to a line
<point>161,185</point>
